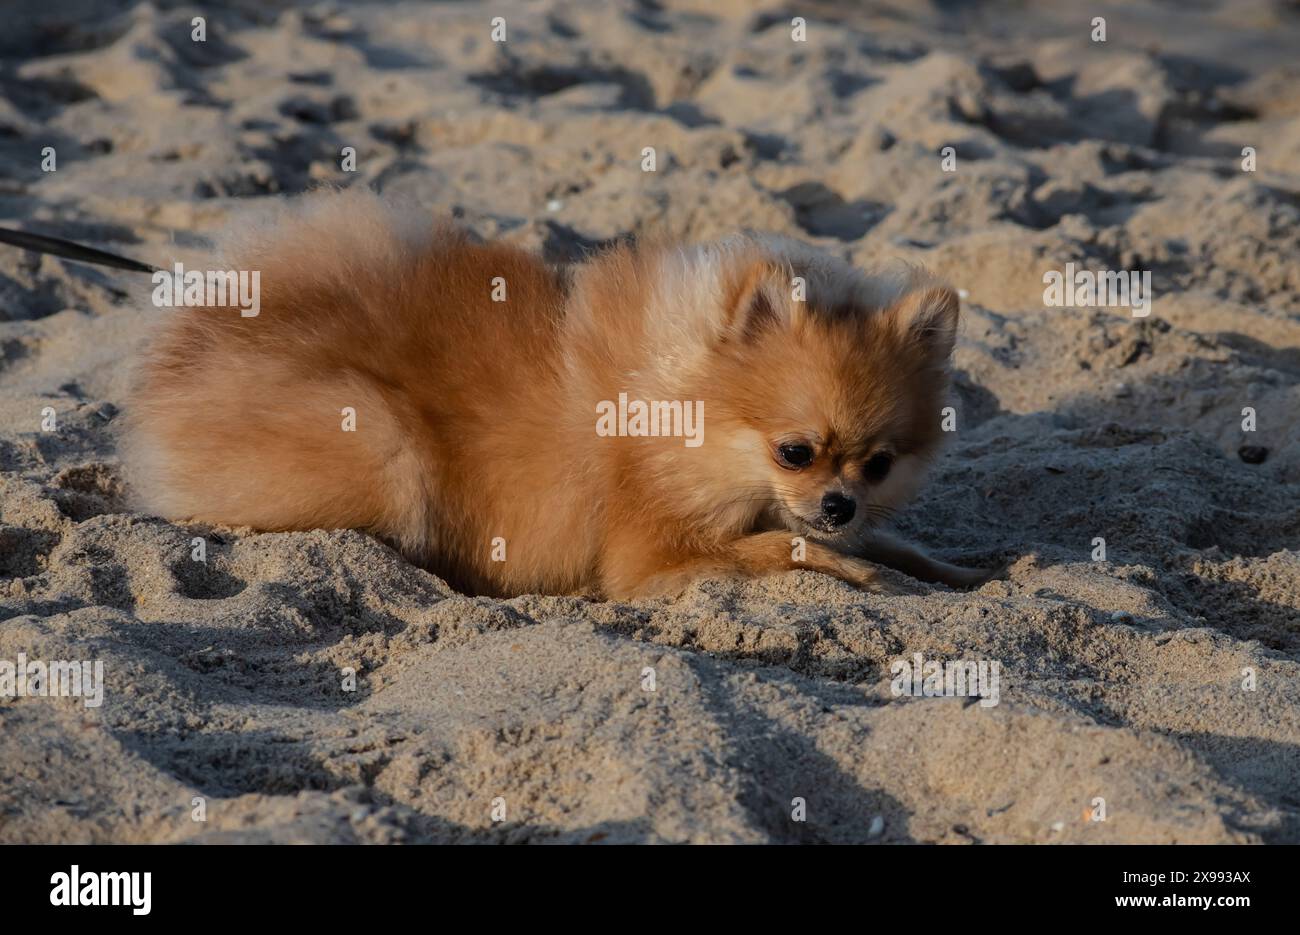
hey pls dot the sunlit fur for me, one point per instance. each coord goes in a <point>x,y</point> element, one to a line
<point>475,419</point>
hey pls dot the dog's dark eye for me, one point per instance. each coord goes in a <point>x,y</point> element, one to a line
<point>877,467</point>
<point>794,456</point>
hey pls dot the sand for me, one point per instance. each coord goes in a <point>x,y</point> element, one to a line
<point>1164,679</point>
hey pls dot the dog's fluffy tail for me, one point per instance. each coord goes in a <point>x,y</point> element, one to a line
<point>277,421</point>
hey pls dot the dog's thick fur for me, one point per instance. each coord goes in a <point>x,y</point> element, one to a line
<point>475,419</point>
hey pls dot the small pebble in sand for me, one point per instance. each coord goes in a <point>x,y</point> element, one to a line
<point>1252,454</point>
<point>554,205</point>
<point>876,828</point>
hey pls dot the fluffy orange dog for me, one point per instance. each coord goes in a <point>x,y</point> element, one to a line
<point>621,428</point>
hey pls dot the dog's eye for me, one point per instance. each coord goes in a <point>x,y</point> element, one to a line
<point>794,456</point>
<point>877,467</point>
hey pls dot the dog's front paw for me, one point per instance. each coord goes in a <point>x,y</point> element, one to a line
<point>970,578</point>
<point>865,575</point>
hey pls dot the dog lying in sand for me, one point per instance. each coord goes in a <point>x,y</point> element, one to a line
<point>621,428</point>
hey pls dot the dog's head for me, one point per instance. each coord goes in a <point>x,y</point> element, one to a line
<point>823,386</point>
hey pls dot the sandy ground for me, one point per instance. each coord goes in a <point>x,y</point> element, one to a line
<point>1126,679</point>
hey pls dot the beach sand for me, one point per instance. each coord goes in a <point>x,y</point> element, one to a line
<point>1163,680</point>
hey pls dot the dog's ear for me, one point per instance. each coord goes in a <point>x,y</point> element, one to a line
<point>755,298</point>
<point>926,318</point>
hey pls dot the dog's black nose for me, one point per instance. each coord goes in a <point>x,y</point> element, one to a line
<point>838,509</point>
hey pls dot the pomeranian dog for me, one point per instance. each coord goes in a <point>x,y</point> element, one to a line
<point>620,428</point>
